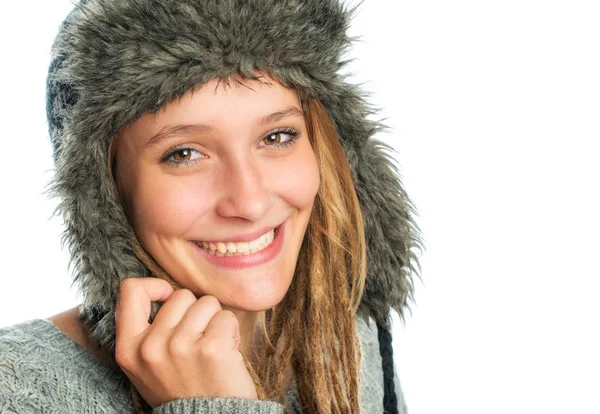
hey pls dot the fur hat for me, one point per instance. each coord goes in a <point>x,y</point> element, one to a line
<point>114,60</point>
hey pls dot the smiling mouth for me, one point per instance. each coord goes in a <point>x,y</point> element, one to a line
<point>221,249</point>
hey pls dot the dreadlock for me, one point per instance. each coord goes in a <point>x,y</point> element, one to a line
<point>316,319</point>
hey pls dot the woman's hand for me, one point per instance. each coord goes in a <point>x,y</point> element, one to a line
<point>191,349</point>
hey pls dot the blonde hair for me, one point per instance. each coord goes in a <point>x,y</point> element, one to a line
<point>313,329</point>
<point>316,319</point>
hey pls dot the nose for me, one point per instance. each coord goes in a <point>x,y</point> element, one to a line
<point>244,193</point>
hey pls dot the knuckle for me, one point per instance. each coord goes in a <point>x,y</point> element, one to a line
<point>150,351</point>
<point>128,285</point>
<point>184,294</point>
<point>210,301</point>
<point>123,356</point>
<point>211,349</point>
<point>179,346</point>
<point>227,317</point>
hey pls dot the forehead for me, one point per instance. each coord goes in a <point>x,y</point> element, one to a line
<point>221,103</point>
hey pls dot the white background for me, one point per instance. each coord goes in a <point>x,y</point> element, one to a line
<point>494,108</point>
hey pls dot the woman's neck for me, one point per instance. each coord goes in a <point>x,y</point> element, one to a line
<point>249,322</point>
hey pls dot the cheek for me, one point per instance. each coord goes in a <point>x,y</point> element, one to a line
<point>169,205</point>
<point>297,179</point>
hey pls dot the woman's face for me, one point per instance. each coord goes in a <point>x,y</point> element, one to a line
<point>219,188</point>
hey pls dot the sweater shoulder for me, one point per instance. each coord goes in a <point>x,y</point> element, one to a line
<point>42,370</point>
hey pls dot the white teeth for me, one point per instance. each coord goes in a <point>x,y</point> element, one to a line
<point>238,249</point>
<point>231,247</point>
<point>253,245</point>
<point>243,247</point>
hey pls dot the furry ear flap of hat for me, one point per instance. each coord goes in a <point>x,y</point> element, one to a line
<point>114,60</point>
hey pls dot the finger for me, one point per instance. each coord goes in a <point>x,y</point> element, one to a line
<point>173,309</point>
<point>198,316</point>
<point>134,303</point>
<point>221,333</point>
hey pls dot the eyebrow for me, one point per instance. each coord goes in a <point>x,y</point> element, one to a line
<point>198,129</point>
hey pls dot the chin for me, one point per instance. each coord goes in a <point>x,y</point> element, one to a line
<point>255,298</point>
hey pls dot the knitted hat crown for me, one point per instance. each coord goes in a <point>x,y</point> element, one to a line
<point>114,60</point>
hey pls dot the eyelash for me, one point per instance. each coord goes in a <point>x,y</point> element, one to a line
<point>293,133</point>
<point>166,158</point>
<point>288,131</point>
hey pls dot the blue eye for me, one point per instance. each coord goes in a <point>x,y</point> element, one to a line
<point>281,138</point>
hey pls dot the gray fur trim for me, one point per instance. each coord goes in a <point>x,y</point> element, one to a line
<point>114,60</point>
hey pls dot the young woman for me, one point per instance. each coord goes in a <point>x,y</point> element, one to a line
<point>237,234</point>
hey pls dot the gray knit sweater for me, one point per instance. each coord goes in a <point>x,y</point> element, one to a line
<point>44,371</point>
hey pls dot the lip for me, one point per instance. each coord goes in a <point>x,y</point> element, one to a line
<point>240,262</point>
<point>244,237</point>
